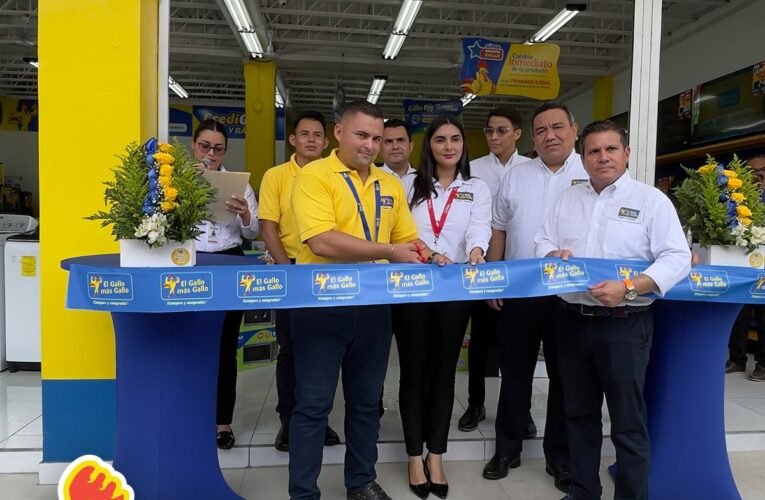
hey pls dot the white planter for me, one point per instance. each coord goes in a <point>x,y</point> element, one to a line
<point>136,253</point>
<point>719,255</point>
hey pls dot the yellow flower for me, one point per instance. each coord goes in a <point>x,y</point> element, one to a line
<point>734,183</point>
<point>165,181</point>
<point>745,221</point>
<point>737,197</point>
<point>743,211</point>
<point>171,193</point>
<point>164,158</point>
<point>166,170</point>
<point>166,148</point>
<point>730,174</point>
<point>168,206</point>
<point>706,169</point>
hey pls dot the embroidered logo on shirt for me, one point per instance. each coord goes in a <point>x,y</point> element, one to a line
<point>463,196</point>
<point>628,213</point>
<point>574,182</point>
<point>386,201</point>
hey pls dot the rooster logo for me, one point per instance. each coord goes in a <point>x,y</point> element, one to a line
<point>170,283</point>
<point>760,282</point>
<point>395,278</point>
<point>470,274</point>
<point>549,270</point>
<point>246,282</point>
<point>95,283</point>
<point>696,278</point>
<point>321,280</point>
<point>625,272</point>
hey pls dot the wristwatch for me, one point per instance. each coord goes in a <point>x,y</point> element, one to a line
<point>631,292</point>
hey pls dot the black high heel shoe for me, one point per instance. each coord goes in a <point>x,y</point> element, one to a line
<point>421,490</point>
<point>441,490</point>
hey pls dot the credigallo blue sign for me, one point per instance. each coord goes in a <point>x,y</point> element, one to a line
<point>419,113</point>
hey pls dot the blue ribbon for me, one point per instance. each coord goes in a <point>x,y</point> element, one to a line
<point>254,286</point>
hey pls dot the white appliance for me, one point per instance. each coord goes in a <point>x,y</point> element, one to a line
<point>10,225</point>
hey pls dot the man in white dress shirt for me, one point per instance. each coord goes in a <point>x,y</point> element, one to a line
<point>525,197</point>
<point>396,149</point>
<point>604,335</point>
<point>502,131</point>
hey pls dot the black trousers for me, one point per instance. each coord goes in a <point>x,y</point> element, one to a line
<point>524,323</point>
<point>285,366</point>
<point>606,356</point>
<point>229,342</point>
<point>429,339</point>
<point>483,336</point>
<point>739,335</point>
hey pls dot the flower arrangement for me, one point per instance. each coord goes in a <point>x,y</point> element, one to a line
<point>721,205</point>
<point>157,195</point>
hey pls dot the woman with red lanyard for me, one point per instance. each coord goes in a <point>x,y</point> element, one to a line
<point>453,216</point>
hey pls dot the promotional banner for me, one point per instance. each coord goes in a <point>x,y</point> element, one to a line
<point>231,118</point>
<point>257,286</point>
<point>419,113</point>
<point>181,120</point>
<point>18,115</point>
<point>510,69</point>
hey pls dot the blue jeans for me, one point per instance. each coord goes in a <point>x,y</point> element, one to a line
<point>357,339</point>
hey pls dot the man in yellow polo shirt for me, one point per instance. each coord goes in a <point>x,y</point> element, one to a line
<point>347,211</point>
<point>279,231</point>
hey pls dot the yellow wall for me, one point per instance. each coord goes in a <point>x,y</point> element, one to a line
<point>97,92</point>
<point>260,133</point>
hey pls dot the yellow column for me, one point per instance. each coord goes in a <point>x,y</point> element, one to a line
<point>603,98</point>
<point>97,89</point>
<point>260,116</point>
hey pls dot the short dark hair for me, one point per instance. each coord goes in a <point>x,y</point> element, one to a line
<point>508,112</point>
<point>309,115</point>
<point>214,126</point>
<point>547,107</point>
<point>364,107</point>
<point>395,122</point>
<point>604,126</point>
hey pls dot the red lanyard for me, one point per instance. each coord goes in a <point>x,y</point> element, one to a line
<point>439,226</point>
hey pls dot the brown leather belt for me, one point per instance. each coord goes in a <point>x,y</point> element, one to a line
<point>605,312</point>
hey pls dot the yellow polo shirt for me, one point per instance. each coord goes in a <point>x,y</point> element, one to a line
<point>322,201</point>
<point>276,203</point>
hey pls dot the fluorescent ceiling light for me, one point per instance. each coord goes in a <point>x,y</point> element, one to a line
<point>395,42</point>
<point>376,88</point>
<point>467,99</point>
<point>406,16</point>
<point>557,22</point>
<point>278,99</point>
<point>176,87</point>
<point>32,61</point>
<point>244,26</point>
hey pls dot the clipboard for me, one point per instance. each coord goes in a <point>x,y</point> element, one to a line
<point>227,184</point>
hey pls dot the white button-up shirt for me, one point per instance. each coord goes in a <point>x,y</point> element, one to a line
<point>490,170</point>
<point>216,237</point>
<point>525,197</point>
<point>410,173</point>
<point>468,224</point>
<point>628,220</point>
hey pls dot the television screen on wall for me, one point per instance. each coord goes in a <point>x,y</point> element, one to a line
<point>673,127</point>
<point>730,106</point>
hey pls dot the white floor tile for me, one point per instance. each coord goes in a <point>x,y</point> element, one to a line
<point>21,442</point>
<point>16,415</point>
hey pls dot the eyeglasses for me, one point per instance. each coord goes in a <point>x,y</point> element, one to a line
<point>489,131</point>
<point>206,146</point>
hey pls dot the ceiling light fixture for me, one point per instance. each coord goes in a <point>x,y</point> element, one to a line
<point>244,26</point>
<point>401,27</point>
<point>376,88</point>
<point>557,22</point>
<point>467,99</point>
<point>278,100</point>
<point>32,61</point>
<point>176,87</point>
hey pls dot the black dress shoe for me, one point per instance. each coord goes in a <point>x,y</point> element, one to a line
<point>531,429</point>
<point>371,491</point>
<point>498,466</point>
<point>225,440</point>
<point>331,438</point>
<point>562,475</point>
<point>282,442</point>
<point>469,420</point>
<point>421,490</point>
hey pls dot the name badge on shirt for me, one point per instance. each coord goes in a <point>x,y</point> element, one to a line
<point>574,182</point>
<point>386,201</point>
<point>212,234</point>
<point>463,196</point>
<point>628,213</point>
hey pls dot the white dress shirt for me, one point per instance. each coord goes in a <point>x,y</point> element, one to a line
<point>410,173</point>
<point>490,170</point>
<point>468,224</point>
<point>628,220</point>
<point>525,197</point>
<point>216,237</point>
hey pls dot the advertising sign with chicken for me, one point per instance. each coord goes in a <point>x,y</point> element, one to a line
<point>510,69</point>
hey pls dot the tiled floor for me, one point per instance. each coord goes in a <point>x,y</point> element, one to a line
<point>256,470</point>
